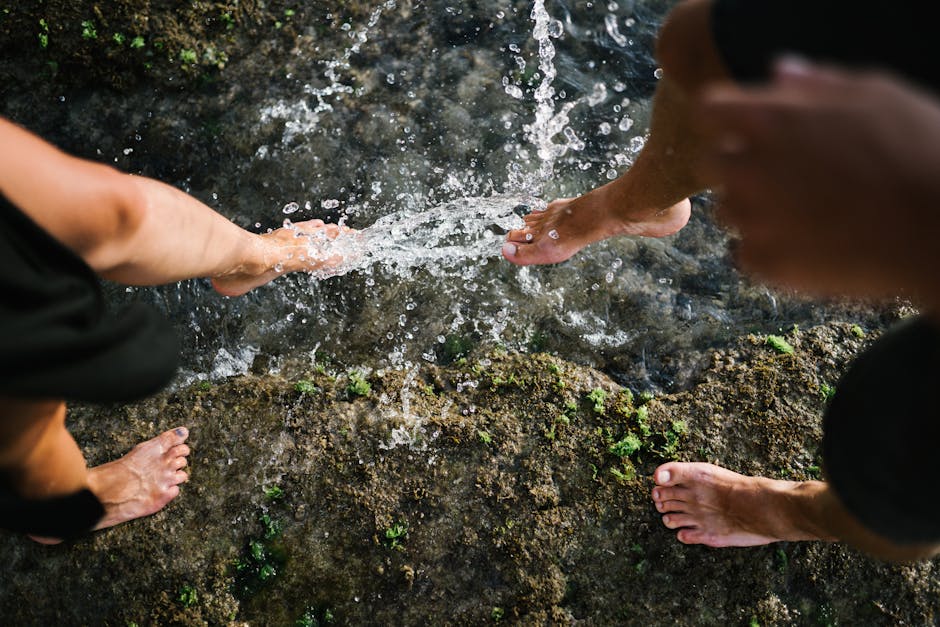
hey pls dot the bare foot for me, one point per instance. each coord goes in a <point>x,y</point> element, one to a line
<point>568,225</point>
<point>141,482</point>
<point>717,507</point>
<point>285,250</point>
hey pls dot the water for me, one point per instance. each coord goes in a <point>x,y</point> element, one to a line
<point>425,125</point>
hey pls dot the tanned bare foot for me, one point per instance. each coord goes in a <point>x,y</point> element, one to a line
<point>285,250</point>
<point>568,225</point>
<point>140,483</point>
<point>717,507</point>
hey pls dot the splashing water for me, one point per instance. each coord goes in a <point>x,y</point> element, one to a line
<point>300,117</point>
<point>482,113</point>
<point>438,240</point>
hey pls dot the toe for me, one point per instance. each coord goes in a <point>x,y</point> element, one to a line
<point>520,235</point>
<point>663,493</point>
<point>180,450</point>
<point>178,462</point>
<point>665,474</point>
<point>691,536</point>
<point>671,506</point>
<point>180,476</point>
<point>173,437</point>
<point>678,520</point>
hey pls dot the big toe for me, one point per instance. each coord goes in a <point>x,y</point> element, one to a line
<point>669,474</point>
<point>173,437</point>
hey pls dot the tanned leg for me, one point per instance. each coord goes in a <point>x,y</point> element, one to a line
<point>40,459</point>
<point>716,507</point>
<point>651,199</point>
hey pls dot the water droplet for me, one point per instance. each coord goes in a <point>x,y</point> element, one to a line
<point>613,7</point>
<point>609,277</point>
<point>529,237</point>
<point>611,174</point>
<point>290,208</point>
<point>626,123</point>
<point>390,79</point>
<point>553,234</point>
<point>658,73</point>
<point>514,47</point>
<point>629,22</point>
<point>595,287</point>
<point>330,203</point>
<point>616,263</point>
<point>410,306</point>
<point>603,129</point>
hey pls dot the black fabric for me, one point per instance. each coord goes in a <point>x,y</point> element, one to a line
<point>63,517</point>
<point>56,339</point>
<point>896,36</point>
<point>881,433</point>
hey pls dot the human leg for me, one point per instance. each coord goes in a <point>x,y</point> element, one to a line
<point>650,199</point>
<point>39,460</point>
<point>716,507</point>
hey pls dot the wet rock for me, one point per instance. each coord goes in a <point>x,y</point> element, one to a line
<point>499,500</point>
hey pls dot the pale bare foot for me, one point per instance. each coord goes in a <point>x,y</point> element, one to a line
<point>717,507</point>
<point>568,225</point>
<point>285,250</point>
<point>140,483</point>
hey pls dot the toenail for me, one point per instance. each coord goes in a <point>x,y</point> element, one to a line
<point>656,495</point>
<point>664,476</point>
<point>180,431</point>
<point>509,249</point>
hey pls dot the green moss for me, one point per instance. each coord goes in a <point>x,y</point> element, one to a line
<point>627,474</point>
<point>627,446</point>
<point>358,386</point>
<point>497,614</point>
<point>598,396</point>
<point>779,344</point>
<point>485,437</point>
<point>858,331</point>
<point>394,535</point>
<point>305,386</point>
<point>315,617</point>
<point>88,30</point>
<point>137,42</point>
<point>118,38</point>
<point>43,34</point>
<point>644,397</point>
<point>188,57</point>
<point>826,392</point>
<point>274,493</point>
<point>187,596</point>
<point>260,561</point>
<point>642,420</point>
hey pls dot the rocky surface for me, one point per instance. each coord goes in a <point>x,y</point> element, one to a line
<point>486,491</point>
<point>480,492</point>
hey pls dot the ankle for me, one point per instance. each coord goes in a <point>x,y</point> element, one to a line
<point>802,512</point>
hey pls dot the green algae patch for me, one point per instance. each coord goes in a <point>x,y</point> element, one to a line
<point>779,344</point>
